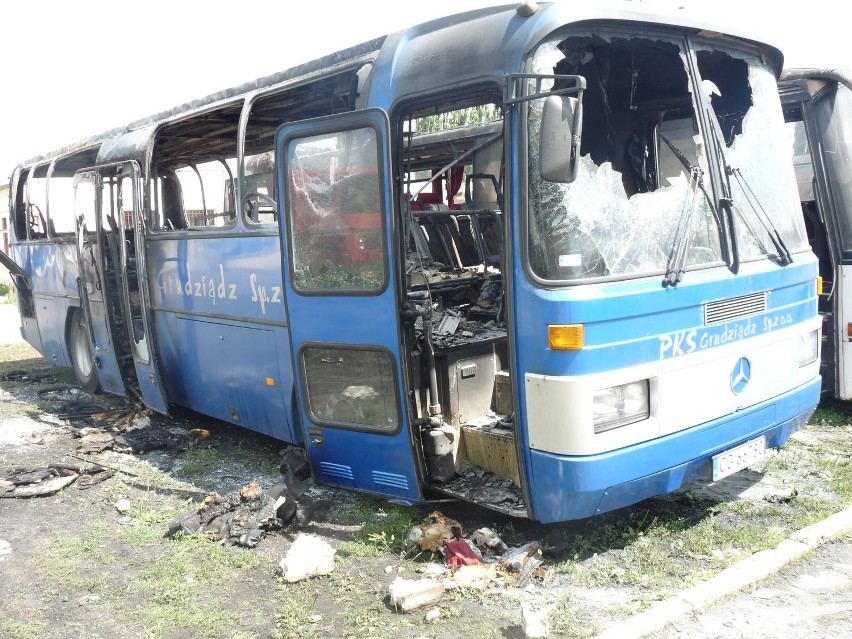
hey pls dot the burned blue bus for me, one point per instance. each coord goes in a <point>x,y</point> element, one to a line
<point>545,258</point>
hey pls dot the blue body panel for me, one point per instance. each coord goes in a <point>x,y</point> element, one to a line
<point>222,335</point>
<point>576,487</point>
<point>53,270</point>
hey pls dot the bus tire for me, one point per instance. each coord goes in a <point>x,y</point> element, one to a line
<point>82,357</point>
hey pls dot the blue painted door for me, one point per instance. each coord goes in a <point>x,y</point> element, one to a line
<point>336,233</point>
<point>92,281</point>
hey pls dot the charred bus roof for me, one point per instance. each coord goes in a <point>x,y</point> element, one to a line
<point>455,51</point>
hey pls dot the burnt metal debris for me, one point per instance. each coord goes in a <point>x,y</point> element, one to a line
<point>41,482</point>
<point>26,376</point>
<point>485,488</point>
<point>243,517</point>
<point>127,431</point>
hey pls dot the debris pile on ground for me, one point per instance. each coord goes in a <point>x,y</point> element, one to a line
<point>309,556</point>
<point>239,518</point>
<point>39,482</point>
<point>243,517</point>
<point>478,561</point>
<point>130,431</point>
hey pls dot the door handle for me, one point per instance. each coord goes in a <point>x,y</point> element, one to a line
<point>317,436</point>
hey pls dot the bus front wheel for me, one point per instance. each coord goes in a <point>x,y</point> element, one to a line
<point>82,358</point>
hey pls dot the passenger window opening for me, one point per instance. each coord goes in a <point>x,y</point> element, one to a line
<point>60,189</point>
<point>334,93</point>
<point>193,167</point>
<point>36,190</point>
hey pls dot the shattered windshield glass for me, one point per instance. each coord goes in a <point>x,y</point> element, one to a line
<point>642,202</point>
<point>744,97</point>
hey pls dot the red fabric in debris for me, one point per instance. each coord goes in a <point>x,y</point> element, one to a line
<point>459,553</point>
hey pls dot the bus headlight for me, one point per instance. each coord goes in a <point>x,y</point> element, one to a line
<point>620,405</point>
<point>808,348</point>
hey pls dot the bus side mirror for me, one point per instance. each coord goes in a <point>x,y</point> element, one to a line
<point>561,125</point>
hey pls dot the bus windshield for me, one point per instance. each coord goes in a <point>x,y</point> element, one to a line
<point>643,200</point>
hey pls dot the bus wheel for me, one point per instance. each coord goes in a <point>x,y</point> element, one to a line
<point>81,354</point>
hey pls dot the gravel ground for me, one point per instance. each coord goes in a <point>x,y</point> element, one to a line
<point>72,565</point>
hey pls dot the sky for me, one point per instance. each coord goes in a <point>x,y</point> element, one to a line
<point>71,70</point>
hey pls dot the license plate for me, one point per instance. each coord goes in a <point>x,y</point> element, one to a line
<point>736,459</point>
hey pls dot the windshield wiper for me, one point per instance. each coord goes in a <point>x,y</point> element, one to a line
<point>763,217</point>
<point>750,197</point>
<point>676,264</point>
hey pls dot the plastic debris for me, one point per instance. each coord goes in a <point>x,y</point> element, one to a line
<point>534,621</point>
<point>239,518</point>
<point>407,595</point>
<point>309,556</point>
<point>123,506</point>
<point>460,552</point>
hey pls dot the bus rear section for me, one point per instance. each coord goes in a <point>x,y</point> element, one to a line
<point>818,111</point>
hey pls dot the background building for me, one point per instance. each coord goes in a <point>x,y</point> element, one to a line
<point>5,229</point>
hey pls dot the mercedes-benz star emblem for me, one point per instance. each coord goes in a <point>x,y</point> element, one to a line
<point>741,375</point>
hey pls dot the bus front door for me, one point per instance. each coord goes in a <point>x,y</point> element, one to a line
<point>334,192</point>
<point>122,232</point>
<point>94,291</point>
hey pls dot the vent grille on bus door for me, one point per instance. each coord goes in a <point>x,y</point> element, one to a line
<point>390,479</point>
<point>735,308</point>
<point>337,470</point>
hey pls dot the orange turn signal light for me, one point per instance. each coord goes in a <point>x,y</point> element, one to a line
<point>819,286</point>
<point>565,337</point>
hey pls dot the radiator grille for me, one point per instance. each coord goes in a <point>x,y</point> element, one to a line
<point>726,310</point>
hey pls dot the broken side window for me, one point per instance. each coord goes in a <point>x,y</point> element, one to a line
<point>640,195</point>
<point>744,97</point>
<point>193,167</point>
<point>336,211</point>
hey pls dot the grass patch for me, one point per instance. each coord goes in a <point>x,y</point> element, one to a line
<point>111,568</point>
<point>31,629</point>
<point>384,531</point>
<point>832,413</point>
<point>297,612</point>
<point>198,461</point>
<point>839,474</point>
<point>570,618</point>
